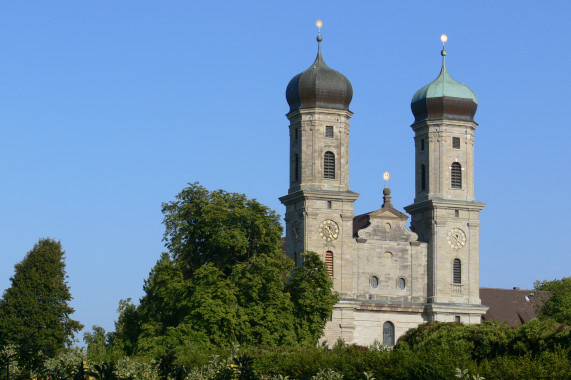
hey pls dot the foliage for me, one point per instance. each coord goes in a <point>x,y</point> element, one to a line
<point>223,281</point>
<point>558,304</point>
<point>218,228</point>
<point>313,301</point>
<point>34,311</point>
<point>544,352</point>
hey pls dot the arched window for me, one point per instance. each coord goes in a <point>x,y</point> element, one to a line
<point>329,262</point>
<point>457,271</point>
<point>388,334</point>
<point>374,282</point>
<point>296,165</point>
<point>456,175</point>
<point>329,165</point>
<point>422,177</point>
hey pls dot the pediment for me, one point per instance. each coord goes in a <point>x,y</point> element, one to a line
<point>388,213</point>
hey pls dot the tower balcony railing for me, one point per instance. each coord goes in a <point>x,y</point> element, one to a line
<point>456,288</point>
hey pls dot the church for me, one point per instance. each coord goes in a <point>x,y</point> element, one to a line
<point>390,277</point>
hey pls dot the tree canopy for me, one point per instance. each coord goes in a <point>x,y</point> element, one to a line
<point>225,280</point>
<point>558,304</point>
<point>35,315</point>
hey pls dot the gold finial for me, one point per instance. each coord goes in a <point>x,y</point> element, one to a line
<point>443,38</point>
<point>319,25</point>
<point>386,177</point>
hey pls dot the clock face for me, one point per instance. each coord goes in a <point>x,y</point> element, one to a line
<point>295,230</point>
<point>329,230</point>
<point>456,238</point>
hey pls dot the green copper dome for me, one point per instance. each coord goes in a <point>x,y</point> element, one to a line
<point>444,98</point>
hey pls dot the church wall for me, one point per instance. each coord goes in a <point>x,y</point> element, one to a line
<point>369,325</point>
<point>389,261</point>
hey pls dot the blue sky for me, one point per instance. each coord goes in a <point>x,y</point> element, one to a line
<point>108,109</point>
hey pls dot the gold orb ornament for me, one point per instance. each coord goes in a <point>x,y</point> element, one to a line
<point>386,176</point>
<point>444,39</point>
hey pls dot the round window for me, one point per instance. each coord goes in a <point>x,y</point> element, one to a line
<point>401,283</point>
<point>374,282</point>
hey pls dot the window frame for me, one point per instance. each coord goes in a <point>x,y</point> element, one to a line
<point>457,271</point>
<point>329,131</point>
<point>329,262</point>
<point>329,165</point>
<point>456,175</point>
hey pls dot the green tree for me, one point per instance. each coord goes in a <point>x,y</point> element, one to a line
<point>311,292</point>
<point>218,228</point>
<point>558,304</point>
<point>224,280</point>
<point>34,312</point>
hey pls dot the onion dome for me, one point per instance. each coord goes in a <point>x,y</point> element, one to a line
<point>444,98</point>
<point>319,86</point>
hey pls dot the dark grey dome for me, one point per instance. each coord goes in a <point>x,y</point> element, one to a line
<point>319,86</point>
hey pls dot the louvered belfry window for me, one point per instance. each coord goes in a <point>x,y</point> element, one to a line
<point>456,175</point>
<point>456,142</point>
<point>329,165</point>
<point>457,271</point>
<point>329,262</point>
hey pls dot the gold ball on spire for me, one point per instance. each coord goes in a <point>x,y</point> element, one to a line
<point>319,24</point>
<point>386,176</point>
<point>443,38</point>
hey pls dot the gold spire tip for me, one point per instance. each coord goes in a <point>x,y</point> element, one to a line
<point>443,38</point>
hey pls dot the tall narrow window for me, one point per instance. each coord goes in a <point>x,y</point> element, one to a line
<point>329,204</point>
<point>422,145</point>
<point>329,165</point>
<point>329,131</point>
<point>456,175</point>
<point>388,334</point>
<point>456,142</point>
<point>422,177</point>
<point>295,134</point>
<point>296,167</point>
<point>457,271</point>
<point>329,262</point>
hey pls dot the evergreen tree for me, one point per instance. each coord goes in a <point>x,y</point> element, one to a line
<point>34,311</point>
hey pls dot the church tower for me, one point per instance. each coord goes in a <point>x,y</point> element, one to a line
<point>319,203</point>
<point>445,212</point>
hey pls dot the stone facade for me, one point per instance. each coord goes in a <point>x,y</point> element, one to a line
<point>390,278</point>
